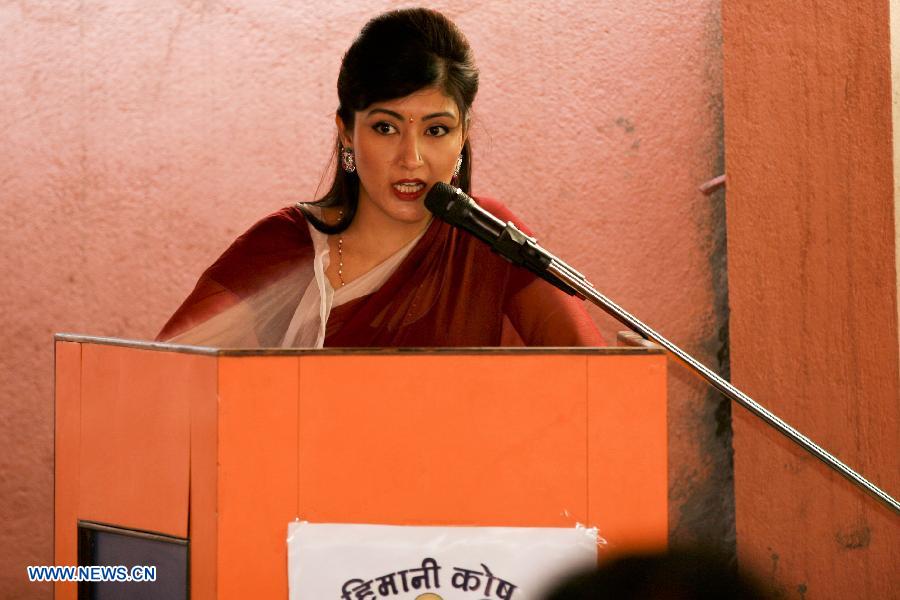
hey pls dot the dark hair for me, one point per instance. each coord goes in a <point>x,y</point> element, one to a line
<point>398,53</point>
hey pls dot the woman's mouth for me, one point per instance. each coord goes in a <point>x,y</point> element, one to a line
<point>408,189</point>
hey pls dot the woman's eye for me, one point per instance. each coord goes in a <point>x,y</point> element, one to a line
<point>437,130</point>
<point>384,128</point>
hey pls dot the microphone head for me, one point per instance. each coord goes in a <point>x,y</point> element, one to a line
<point>450,204</point>
<point>441,198</point>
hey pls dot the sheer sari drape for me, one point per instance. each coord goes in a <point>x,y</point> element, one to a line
<point>448,290</point>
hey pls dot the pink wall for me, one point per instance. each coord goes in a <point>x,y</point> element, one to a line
<point>812,283</point>
<point>137,139</point>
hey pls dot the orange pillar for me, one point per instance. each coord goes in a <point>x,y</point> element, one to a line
<point>813,289</point>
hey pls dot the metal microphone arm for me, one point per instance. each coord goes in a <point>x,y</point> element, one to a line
<point>525,251</point>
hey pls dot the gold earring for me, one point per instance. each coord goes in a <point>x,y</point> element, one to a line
<point>348,161</point>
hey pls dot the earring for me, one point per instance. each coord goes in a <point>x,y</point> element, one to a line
<point>455,179</point>
<point>348,161</point>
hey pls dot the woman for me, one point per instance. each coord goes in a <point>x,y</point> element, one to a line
<point>366,265</point>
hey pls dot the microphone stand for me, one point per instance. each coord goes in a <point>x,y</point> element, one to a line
<point>458,209</point>
<point>585,290</point>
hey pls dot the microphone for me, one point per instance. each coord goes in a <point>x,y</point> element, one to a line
<point>452,205</point>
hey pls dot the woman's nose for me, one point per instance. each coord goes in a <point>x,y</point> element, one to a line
<point>410,157</point>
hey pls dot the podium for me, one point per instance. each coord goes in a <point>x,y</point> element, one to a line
<point>218,450</point>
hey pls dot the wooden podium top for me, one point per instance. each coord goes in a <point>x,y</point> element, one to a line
<point>632,348</point>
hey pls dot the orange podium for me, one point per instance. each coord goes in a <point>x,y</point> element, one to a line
<point>221,449</point>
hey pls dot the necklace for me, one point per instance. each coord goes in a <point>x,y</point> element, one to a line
<point>340,250</point>
<point>341,260</point>
<point>341,253</point>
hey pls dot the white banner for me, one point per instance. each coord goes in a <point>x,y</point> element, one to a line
<point>368,562</point>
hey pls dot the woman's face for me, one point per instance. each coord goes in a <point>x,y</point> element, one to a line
<point>402,148</point>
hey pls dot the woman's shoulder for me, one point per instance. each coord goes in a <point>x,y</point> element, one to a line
<point>501,211</point>
<point>280,236</point>
<point>282,231</point>
<point>492,205</point>
<point>287,222</point>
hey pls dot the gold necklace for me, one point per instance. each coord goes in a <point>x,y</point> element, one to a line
<point>341,253</point>
<point>341,260</point>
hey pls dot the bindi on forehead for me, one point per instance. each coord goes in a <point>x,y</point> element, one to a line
<point>418,107</point>
<point>410,118</point>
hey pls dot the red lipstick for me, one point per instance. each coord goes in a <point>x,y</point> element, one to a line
<point>408,189</point>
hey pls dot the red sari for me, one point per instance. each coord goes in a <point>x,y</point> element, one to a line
<point>450,290</point>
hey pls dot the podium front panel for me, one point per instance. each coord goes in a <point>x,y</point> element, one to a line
<point>443,440</point>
